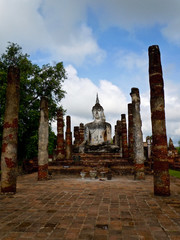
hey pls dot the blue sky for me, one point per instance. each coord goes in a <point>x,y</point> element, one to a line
<point>104,47</point>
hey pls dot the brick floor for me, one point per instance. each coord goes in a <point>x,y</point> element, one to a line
<point>68,207</point>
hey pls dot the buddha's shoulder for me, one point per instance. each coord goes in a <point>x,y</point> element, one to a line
<point>97,124</point>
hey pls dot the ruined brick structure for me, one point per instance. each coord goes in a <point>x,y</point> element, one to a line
<point>76,136</point>
<point>130,131</point>
<point>118,136</point>
<point>124,136</point>
<point>137,136</point>
<point>68,138</point>
<point>172,154</point>
<point>81,133</point>
<point>43,140</point>
<point>159,139</point>
<point>117,133</point>
<point>10,132</point>
<point>60,136</point>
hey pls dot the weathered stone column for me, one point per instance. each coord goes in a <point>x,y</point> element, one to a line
<point>81,133</point>
<point>76,136</point>
<point>10,132</point>
<point>60,136</point>
<point>149,146</point>
<point>124,136</point>
<point>137,136</point>
<point>130,132</point>
<point>68,139</point>
<point>43,140</point>
<point>159,138</point>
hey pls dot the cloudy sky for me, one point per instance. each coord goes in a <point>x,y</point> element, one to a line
<point>104,47</point>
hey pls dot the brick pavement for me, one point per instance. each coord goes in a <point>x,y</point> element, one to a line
<point>67,207</point>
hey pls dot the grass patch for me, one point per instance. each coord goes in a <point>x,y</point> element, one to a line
<point>174,173</point>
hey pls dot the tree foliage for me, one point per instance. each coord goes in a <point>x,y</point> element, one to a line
<point>35,82</point>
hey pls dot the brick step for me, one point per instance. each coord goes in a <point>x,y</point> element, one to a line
<point>176,166</point>
<point>91,163</point>
<point>96,154</point>
<point>104,159</point>
<point>116,170</point>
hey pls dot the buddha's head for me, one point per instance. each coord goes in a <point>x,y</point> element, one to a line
<point>98,111</point>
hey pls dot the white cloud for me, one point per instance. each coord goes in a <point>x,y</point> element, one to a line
<point>80,46</point>
<point>56,27</point>
<point>145,114</point>
<point>133,69</point>
<point>81,97</point>
<point>21,23</point>
<point>61,27</point>
<point>131,15</point>
<point>132,61</point>
<point>170,30</point>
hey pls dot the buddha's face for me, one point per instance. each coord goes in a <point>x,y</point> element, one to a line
<point>98,114</point>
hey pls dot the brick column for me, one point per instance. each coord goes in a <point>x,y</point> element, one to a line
<point>137,136</point>
<point>68,139</point>
<point>60,136</point>
<point>81,133</point>
<point>117,134</point>
<point>159,139</point>
<point>43,140</point>
<point>130,132</point>
<point>76,136</point>
<point>124,136</point>
<point>10,131</point>
<point>119,130</point>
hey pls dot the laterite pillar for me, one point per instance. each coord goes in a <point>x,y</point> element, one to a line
<point>137,136</point>
<point>159,138</point>
<point>60,136</point>
<point>10,132</point>
<point>81,133</point>
<point>43,140</point>
<point>130,132</point>
<point>76,136</point>
<point>124,136</point>
<point>68,139</point>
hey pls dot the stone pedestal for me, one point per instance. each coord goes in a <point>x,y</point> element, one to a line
<point>137,136</point>
<point>10,132</point>
<point>159,138</point>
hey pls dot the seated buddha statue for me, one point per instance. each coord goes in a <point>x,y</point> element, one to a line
<point>98,131</point>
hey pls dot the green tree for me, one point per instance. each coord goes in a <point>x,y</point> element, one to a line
<point>35,82</point>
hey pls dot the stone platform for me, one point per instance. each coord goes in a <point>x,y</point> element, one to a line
<point>71,169</point>
<point>88,161</point>
<point>69,208</point>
